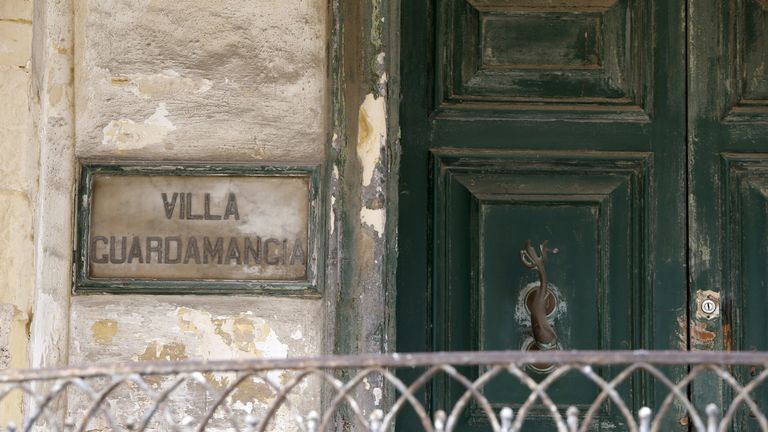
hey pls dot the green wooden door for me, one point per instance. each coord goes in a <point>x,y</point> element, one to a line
<point>627,133</point>
<point>728,181</point>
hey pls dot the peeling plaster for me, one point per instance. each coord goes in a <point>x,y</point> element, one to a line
<point>257,391</point>
<point>155,351</point>
<point>163,328</point>
<point>332,212</point>
<point>165,84</point>
<point>231,337</point>
<point>236,337</point>
<point>335,143</point>
<point>126,134</point>
<point>371,134</point>
<point>172,351</point>
<point>375,218</point>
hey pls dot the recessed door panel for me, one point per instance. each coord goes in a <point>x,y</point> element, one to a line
<point>580,56</point>
<point>589,209</point>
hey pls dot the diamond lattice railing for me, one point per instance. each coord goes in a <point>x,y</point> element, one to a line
<point>499,391</point>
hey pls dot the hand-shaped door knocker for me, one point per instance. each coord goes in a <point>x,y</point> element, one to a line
<point>543,334</point>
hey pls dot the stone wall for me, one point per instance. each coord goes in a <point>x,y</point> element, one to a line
<point>297,82</point>
<point>148,80</point>
<point>18,181</point>
<point>186,80</point>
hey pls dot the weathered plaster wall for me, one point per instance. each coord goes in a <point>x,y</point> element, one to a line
<point>195,328</point>
<point>18,181</point>
<point>364,177</point>
<point>222,80</point>
<point>113,80</point>
<point>214,80</point>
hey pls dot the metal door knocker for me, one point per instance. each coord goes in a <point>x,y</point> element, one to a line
<point>544,336</point>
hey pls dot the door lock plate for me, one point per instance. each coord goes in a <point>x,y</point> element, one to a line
<point>707,304</point>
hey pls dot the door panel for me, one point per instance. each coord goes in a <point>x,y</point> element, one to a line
<point>583,58</point>
<point>728,145</point>
<point>542,120</point>
<point>591,208</point>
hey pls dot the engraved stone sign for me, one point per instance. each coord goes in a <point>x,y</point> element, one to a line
<point>155,227</point>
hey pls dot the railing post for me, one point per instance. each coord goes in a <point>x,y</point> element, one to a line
<point>375,420</point>
<point>507,416</point>
<point>313,421</point>
<point>440,421</point>
<point>645,414</point>
<point>572,417</point>
<point>713,413</point>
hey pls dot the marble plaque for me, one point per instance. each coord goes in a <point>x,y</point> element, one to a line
<point>198,228</point>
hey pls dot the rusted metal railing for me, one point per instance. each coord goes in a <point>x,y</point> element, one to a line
<point>634,391</point>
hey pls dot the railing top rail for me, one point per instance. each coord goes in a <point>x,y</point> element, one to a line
<point>595,358</point>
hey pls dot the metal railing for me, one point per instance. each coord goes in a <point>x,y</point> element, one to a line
<point>499,391</point>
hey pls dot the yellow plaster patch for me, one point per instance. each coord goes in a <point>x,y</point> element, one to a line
<point>218,323</point>
<point>253,391</point>
<point>371,134</point>
<point>218,380</point>
<point>155,351</point>
<point>243,334</point>
<point>103,331</point>
<point>172,351</point>
<point>184,324</point>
